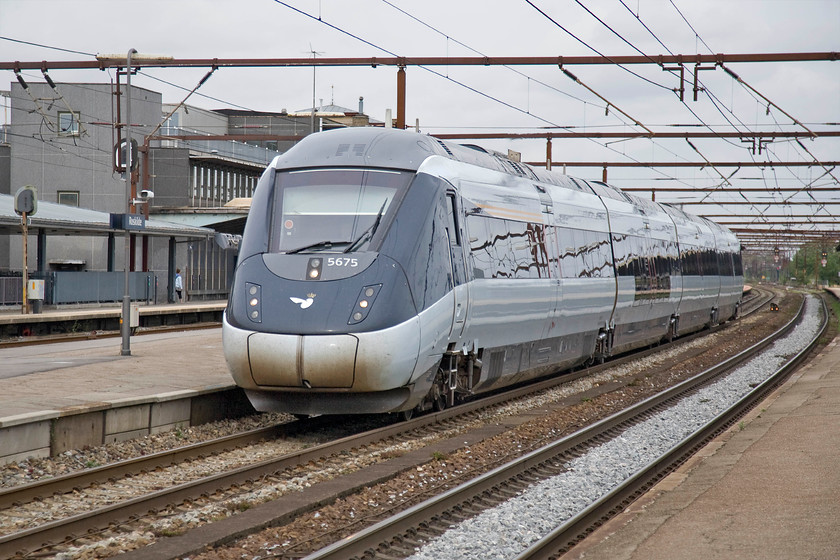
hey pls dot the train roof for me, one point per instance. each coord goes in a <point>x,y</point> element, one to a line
<point>406,150</point>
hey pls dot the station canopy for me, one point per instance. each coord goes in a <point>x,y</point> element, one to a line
<point>60,219</point>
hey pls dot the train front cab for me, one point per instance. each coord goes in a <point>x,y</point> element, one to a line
<point>297,353</point>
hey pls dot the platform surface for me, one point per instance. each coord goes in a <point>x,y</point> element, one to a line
<point>769,488</point>
<point>44,381</point>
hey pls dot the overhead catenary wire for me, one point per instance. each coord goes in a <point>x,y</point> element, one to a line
<point>716,103</point>
<point>616,33</point>
<point>178,106</point>
<point>711,96</point>
<point>22,42</point>
<point>765,98</point>
<point>637,50</point>
<point>445,77</point>
<point>696,35</point>
<point>605,100</point>
<point>54,87</point>
<point>593,49</point>
<point>569,74</point>
<point>768,178</point>
<point>456,41</point>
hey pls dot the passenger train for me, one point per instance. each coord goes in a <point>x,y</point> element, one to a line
<point>383,270</point>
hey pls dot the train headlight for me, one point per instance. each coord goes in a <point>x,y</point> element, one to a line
<point>313,268</point>
<point>363,303</point>
<point>254,301</point>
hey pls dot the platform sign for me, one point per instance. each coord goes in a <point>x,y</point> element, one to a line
<point>26,200</point>
<point>26,204</point>
<point>128,221</point>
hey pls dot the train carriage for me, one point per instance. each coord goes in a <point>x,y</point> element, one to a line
<point>387,271</point>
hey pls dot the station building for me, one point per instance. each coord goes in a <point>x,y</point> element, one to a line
<point>201,166</point>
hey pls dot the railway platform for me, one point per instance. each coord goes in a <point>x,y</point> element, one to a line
<point>80,393</point>
<point>768,488</point>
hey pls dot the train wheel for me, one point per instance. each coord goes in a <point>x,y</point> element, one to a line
<point>438,392</point>
<point>406,415</point>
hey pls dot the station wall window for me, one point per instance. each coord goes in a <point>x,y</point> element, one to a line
<point>68,123</point>
<point>68,198</point>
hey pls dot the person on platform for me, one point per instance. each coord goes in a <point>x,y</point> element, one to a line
<point>179,285</point>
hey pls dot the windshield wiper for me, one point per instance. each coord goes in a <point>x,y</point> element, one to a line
<point>368,233</point>
<point>326,244</point>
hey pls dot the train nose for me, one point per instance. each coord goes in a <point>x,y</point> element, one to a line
<point>326,361</point>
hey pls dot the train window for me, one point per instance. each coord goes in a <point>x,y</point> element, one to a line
<point>552,244</point>
<point>332,209</point>
<point>452,220</point>
<point>480,246</point>
<point>585,245</point>
<point>570,261</point>
<point>538,250</point>
<point>501,252</point>
<point>601,256</point>
<point>621,248</point>
<point>521,249</point>
<point>725,264</point>
<point>739,266</point>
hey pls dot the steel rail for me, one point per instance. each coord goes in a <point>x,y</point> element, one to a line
<point>40,489</point>
<point>578,527</point>
<point>58,531</point>
<point>366,542</point>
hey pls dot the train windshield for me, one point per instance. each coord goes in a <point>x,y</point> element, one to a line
<point>332,210</point>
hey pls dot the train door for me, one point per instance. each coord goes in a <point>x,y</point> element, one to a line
<point>460,286</point>
<point>551,246</point>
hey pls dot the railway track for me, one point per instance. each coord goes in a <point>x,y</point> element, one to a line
<point>401,535</point>
<point>59,531</point>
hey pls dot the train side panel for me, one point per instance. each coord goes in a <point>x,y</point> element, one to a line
<point>644,245</point>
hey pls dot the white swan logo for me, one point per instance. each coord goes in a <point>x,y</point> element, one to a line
<point>304,303</point>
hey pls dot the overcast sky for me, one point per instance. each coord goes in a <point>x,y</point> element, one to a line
<point>447,100</point>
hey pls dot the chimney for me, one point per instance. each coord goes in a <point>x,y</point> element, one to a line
<point>361,105</point>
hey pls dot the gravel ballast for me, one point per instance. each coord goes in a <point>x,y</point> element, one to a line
<point>505,531</point>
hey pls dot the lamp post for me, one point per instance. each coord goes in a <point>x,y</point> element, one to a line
<point>125,326</point>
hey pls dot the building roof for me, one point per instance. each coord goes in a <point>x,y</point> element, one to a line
<point>327,111</point>
<point>60,219</point>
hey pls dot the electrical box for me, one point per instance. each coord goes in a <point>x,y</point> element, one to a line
<point>133,317</point>
<point>35,289</point>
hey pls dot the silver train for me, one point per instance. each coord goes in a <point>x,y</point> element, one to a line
<point>387,271</point>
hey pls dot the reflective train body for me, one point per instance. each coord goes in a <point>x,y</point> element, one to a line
<point>388,271</point>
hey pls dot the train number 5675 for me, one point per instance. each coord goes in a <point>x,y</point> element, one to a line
<point>342,261</point>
